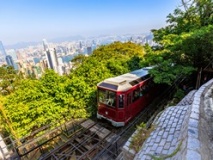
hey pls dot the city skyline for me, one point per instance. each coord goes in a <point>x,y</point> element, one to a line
<point>24,21</point>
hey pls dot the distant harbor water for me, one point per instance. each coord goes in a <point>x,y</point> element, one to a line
<point>67,58</point>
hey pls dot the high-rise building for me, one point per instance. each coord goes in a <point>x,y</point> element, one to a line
<point>13,54</point>
<point>52,59</point>
<point>19,55</point>
<point>49,59</point>
<point>45,45</point>
<point>2,50</point>
<point>89,50</point>
<point>9,61</point>
<point>80,45</point>
<point>61,68</point>
<point>43,64</point>
<point>51,56</point>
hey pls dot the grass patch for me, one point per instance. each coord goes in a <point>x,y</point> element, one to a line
<point>138,139</point>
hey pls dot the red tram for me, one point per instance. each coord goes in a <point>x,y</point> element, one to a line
<point>121,98</point>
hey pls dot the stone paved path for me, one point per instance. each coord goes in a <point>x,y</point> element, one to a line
<point>188,99</point>
<point>182,126</point>
<point>164,140</point>
<point>166,137</point>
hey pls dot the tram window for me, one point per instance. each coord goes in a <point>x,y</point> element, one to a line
<point>121,101</point>
<point>111,98</point>
<point>101,95</point>
<point>144,89</point>
<point>151,84</point>
<point>106,97</point>
<point>141,92</point>
<point>136,94</point>
<point>129,99</point>
<point>147,87</point>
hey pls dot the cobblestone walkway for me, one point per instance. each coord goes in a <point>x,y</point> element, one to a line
<point>166,137</point>
<point>164,140</point>
<point>188,99</point>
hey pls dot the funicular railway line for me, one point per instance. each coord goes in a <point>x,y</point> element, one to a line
<point>34,148</point>
<point>83,144</point>
<point>75,139</point>
<point>90,139</point>
<point>95,141</point>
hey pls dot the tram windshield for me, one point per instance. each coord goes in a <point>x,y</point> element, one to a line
<point>107,97</point>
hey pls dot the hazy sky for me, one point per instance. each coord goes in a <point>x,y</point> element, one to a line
<point>33,20</point>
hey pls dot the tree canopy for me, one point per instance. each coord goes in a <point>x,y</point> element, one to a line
<point>9,79</point>
<point>186,42</point>
<point>106,61</point>
<point>54,99</point>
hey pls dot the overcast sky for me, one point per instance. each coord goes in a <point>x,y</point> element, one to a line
<point>33,20</point>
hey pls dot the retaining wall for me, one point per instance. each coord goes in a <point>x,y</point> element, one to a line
<point>182,132</point>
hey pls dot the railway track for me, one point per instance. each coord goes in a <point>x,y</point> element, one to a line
<point>89,139</point>
<point>82,145</point>
<point>72,140</point>
<point>101,141</point>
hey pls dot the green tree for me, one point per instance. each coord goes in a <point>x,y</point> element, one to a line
<point>9,79</point>
<point>77,60</point>
<point>53,99</point>
<point>50,100</point>
<point>106,61</point>
<point>186,42</point>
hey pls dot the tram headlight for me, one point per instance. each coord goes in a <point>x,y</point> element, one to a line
<point>106,113</point>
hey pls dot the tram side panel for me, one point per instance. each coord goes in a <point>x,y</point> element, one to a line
<point>137,100</point>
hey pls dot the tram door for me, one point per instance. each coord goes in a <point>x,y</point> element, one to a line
<point>128,106</point>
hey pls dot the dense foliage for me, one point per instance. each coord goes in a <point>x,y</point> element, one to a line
<point>185,43</point>
<point>106,61</point>
<point>9,79</point>
<point>54,99</point>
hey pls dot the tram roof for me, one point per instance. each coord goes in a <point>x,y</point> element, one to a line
<point>126,81</point>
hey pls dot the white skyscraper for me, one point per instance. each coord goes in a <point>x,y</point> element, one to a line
<point>52,59</point>
<point>51,56</point>
<point>61,68</point>
<point>45,45</point>
<point>2,50</point>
